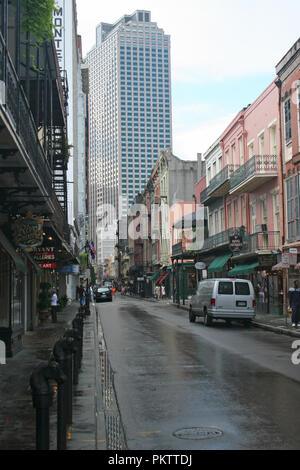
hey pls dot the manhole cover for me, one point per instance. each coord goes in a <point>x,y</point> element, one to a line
<point>197,433</point>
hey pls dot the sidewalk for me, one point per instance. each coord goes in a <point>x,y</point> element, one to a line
<point>17,415</point>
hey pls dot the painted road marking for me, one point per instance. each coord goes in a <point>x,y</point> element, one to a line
<point>147,433</point>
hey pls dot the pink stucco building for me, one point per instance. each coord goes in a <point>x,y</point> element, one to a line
<point>242,197</point>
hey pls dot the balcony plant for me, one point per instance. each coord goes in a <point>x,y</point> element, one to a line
<point>44,302</point>
<point>36,18</point>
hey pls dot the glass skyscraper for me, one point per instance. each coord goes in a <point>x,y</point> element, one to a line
<point>130,109</point>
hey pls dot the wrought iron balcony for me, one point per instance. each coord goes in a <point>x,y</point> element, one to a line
<point>254,173</point>
<point>261,242</point>
<point>217,240</point>
<point>204,196</point>
<point>219,185</point>
<point>177,249</point>
<point>18,110</point>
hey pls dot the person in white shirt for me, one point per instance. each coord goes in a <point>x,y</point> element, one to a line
<point>54,307</point>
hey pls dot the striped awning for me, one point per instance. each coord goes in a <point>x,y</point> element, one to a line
<point>163,277</point>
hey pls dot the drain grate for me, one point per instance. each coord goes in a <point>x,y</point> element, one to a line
<point>198,433</point>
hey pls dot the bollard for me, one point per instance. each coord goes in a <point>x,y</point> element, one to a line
<point>60,355</point>
<point>63,354</point>
<point>87,302</point>
<point>75,335</point>
<point>78,326</point>
<point>42,395</point>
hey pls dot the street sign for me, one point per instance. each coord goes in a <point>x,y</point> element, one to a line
<point>285,260</point>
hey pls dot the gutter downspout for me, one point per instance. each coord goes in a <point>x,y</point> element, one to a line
<point>281,198</point>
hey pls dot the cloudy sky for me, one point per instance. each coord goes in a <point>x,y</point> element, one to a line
<point>223,56</point>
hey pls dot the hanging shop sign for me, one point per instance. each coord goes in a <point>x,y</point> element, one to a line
<point>28,232</point>
<point>45,257</point>
<point>47,265</point>
<point>235,243</point>
<point>200,266</point>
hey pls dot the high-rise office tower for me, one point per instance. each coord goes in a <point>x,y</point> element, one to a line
<point>130,112</point>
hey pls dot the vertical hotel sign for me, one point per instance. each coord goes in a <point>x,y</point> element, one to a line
<point>59,32</point>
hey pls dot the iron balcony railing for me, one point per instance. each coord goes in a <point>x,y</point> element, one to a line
<point>217,182</point>
<point>219,239</point>
<point>18,109</point>
<point>261,241</point>
<point>221,178</point>
<point>257,165</point>
<point>177,249</point>
<point>204,196</point>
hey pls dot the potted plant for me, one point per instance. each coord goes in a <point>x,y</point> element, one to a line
<point>62,302</point>
<point>44,302</point>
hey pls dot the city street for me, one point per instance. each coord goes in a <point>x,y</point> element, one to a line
<point>171,375</point>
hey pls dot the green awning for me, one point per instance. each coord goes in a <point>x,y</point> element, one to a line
<point>37,269</point>
<point>218,263</point>
<point>243,269</point>
<point>19,263</point>
<point>155,276</point>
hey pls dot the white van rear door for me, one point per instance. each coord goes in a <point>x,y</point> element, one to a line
<point>225,296</point>
<point>243,297</point>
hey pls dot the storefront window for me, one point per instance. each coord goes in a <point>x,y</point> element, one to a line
<point>17,303</point>
<point>4,289</point>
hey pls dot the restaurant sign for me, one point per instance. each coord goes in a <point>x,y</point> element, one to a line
<point>235,243</point>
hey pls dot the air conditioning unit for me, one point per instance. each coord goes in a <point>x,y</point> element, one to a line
<point>261,228</point>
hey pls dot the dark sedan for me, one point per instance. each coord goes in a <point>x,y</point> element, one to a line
<point>103,294</point>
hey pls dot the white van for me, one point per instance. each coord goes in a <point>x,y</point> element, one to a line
<point>226,299</point>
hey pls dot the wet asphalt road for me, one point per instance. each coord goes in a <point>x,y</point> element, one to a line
<point>170,374</point>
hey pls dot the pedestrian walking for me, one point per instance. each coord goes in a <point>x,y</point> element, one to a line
<point>157,292</point>
<point>163,292</point>
<point>81,295</point>
<point>91,294</point>
<point>77,293</point>
<point>54,307</point>
<point>294,303</point>
<point>261,293</point>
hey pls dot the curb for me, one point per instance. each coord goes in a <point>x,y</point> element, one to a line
<point>276,329</point>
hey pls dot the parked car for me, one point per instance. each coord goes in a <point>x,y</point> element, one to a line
<point>226,299</point>
<point>102,294</point>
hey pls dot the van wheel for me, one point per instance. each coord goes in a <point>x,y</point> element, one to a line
<point>207,319</point>
<point>247,323</point>
<point>192,317</point>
